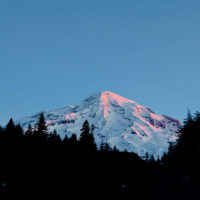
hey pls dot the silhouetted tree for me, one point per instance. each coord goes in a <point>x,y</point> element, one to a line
<point>85,131</point>
<point>189,116</point>
<point>73,140</point>
<point>19,131</point>
<point>54,138</point>
<point>2,137</point>
<point>115,149</point>
<point>65,140</point>
<point>13,132</point>
<point>189,120</point>
<point>40,131</point>
<point>105,146</point>
<point>1,130</point>
<point>146,157</point>
<point>10,128</point>
<point>29,131</point>
<point>152,159</point>
<point>87,140</point>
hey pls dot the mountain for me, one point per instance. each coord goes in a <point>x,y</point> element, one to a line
<point>117,120</point>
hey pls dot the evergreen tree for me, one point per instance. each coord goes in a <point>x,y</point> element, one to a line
<point>151,159</point>
<point>189,116</point>
<point>167,157</point>
<point>87,140</point>
<point>54,138</point>
<point>73,140</point>
<point>102,145</point>
<point>1,130</point>
<point>105,146</point>
<point>41,124</point>
<point>29,134</point>
<point>2,137</point>
<point>13,133</point>
<point>85,131</point>
<point>125,151</point>
<point>41,128</point>
<point>29,131</point>
<point>92,139</point>
<point>65,140</point>
<point>115,149</point>
<point>10,128</point>
<point>19,132</point>
<point>187,149</point>
<point>197,119</point>
<point>189,119</point>
<point>146,157</point>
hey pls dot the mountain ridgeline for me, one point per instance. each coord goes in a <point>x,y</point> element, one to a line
<point>118,121</point>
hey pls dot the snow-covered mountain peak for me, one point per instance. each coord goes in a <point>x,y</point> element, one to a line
<point>117,120</point>
<point>106,100</point>
<point>107,96</point>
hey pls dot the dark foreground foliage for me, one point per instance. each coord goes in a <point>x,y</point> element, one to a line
<point>37,165</point>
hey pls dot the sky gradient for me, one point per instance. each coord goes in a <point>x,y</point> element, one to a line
<point>56,53</point>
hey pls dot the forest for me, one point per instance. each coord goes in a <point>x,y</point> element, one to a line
<point>35,164</point>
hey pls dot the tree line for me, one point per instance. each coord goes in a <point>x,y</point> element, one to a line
<point>36,164</point>
<point>38,135</point>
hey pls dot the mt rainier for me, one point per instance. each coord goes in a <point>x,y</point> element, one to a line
<point>117,120</point>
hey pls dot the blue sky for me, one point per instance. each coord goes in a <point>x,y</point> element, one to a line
<point>56,53</point>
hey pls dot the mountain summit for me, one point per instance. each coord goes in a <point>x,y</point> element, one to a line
<point>117,120</point>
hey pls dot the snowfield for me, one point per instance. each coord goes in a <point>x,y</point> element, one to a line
<point>117,120</point>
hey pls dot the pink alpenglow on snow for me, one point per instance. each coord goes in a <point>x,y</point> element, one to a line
<point>70,116</point>
<point>122,122</point>
<point>143,128</point>
<point>107,97</point>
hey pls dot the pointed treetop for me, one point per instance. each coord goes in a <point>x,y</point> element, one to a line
<point>189,116</point>
<point>41,124</point>
<point>86,127</point>
<point>10,123</point>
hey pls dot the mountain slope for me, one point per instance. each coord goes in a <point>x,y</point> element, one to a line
<point>117,120</point>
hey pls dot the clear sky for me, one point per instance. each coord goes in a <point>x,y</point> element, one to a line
<point>56,53</point>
